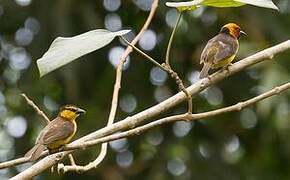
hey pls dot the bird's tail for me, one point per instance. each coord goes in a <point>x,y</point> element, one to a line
<point>204,71</point>
<point>35,152</point>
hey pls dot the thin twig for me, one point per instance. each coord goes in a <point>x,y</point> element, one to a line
<point>71,159</point>
<point>62,168</point>
<point>114,105</point>
<point>189,117</point>
<point>13,162</point>
<point>151,112</point>
<point>33,105</point>
<point>144,54</point>
<point>181,87</point>
<point>172,73</point>
<point>167,69</point>
<point>171,40</point>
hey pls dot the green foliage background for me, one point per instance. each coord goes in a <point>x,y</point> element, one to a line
<point>252,144</point>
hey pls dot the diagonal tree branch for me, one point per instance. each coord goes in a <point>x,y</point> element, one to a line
<point>153,111</point>
<point>189,117</point>
<point>114,105</point>
<point>14,162</point>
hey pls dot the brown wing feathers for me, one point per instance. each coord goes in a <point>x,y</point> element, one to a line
<point>57,129</point>
<point>217,49</point>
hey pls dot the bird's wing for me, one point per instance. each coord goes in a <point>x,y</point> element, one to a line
<point>209,51</point>
<point>57,129</point>
<point>227,46</point>
<point>205,51</point>
<point>219,48</point>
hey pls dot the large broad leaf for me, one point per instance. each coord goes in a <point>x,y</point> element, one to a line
<point>64,50</point>
<point>191,5</point>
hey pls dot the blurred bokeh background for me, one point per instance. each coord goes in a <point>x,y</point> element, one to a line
<point>251,144</point>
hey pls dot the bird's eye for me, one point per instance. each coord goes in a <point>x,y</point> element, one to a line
<point>73,109</point>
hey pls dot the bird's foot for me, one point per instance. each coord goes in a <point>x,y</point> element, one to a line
<point>226,68</point>
<point>61,148</point>
<point>52,151</point>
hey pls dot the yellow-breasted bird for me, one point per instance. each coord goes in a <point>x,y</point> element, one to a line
<point>221,50</point>
<point>57,133</point>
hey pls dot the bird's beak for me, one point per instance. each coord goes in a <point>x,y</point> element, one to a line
<point>80,111</point>
<point>243,33</point>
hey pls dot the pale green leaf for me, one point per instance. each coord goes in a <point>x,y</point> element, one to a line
<point>260,3</point>
<point>64,50</point>
<point>191,5</point>
<point>222,3</point>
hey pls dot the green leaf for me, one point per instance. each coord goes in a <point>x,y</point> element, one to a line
<point>184,6</point>
<point>222,3</point>
<point>191,5</point>
<point>260,3</point>
<point>64,50</point>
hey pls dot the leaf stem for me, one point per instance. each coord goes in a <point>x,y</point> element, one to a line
<point>144,54</point>
<point>171,39</point>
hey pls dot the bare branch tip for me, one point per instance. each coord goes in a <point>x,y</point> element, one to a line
<point>35,107</point>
